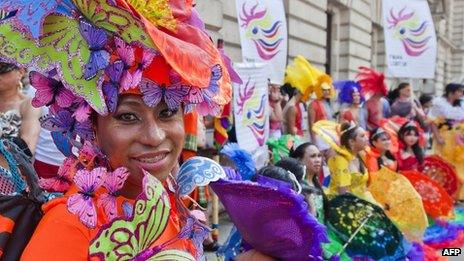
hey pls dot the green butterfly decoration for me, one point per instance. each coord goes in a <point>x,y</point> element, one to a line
<point>132,239</point>
<point>15,47</point>
<point>61,35</point>
<point>115,20</point>
<point>61,47</point>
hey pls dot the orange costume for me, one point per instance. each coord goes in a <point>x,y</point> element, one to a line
<point>372,161</point>
<point>61,236</point>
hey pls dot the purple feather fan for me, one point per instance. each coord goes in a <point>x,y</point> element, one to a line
<point>274,221</point>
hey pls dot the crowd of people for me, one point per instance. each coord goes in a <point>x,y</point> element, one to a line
<point>103,110</point>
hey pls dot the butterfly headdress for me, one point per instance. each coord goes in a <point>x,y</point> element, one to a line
<point>84,54</point>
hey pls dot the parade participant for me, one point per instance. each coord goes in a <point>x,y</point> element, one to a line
<point>348,170</point>
<point>404,105</point>
<point>309,155</point>
<point>351,101</point>
<point>379,154</point>
<point>308,80</point>
<point>276,115</point>
<point>447,115</point>
<point>374,89</point>
<point>292,115</point>
<point>447,111</point>
<point>18,119</point>
<point>123,107</point>
<point>410,154</point>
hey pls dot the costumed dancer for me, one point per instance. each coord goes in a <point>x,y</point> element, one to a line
<point>134,70</point>
<point>351,101</point>
<point>447,114</point>
<point>348,171</point>
<point>379,155</point>
<point>271,186</point>
<point>411,139</point>
<point>308,79</point>
<point>374,89</point>
<point>292,113</point>
<point>310,156</point>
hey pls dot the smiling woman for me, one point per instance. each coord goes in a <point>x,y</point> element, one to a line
<point>118,96</point>
<point>152,139</point>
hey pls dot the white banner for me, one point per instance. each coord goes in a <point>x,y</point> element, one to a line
<point>410,40</point>
<point>251,111</point>
<point>263,34</point>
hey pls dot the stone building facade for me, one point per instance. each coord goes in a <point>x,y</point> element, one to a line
<point>341,35</point>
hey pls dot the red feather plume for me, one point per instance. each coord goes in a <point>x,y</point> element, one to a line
<point>371,81</point>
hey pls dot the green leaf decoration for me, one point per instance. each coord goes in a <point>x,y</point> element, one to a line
<point>61,47</point>
<point>172,255</point>
<point>114,19</point>
<point>125,239</point>
<point>65,45</point>
<point>16,47</point>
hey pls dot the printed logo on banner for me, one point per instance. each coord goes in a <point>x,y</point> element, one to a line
<point>411,30</point>
<point>251,106</point>
<point>262,30</point>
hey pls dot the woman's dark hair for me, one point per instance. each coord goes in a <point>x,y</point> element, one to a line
<point>294,166</point>
<point>452,88</point>
<point>349,133</point>
<point>395,93</point>
<point>406,129</point>
<point>288,89</point>
<point>277,173</point>
<point>425,98</point>
<point>299,152</point>
<point>388,153</point>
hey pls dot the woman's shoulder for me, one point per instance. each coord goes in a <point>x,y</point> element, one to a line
<point>59,235</point>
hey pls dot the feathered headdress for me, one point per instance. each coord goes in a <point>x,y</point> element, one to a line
<point>85,54</point>
<point>307,78</point>
<point>346,90</point>
<point>371,81</point>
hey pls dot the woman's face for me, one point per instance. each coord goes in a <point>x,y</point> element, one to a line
<point>361,141</point>
<point>312,159</point>
<point>356,97</point>
<point>406,92</point>
<point>382,143</point>
<point>457,94</point>
<point>139,137</point>
<point>411,138</point>
<point>10,80</point>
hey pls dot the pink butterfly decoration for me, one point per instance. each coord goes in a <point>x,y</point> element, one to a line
<point>114,181</point>
<point>49,92</point>
<point>87,154</point>
<point>82,112</point>
<point>81,203</point>
<point>127,54</point>
<point>173,95</point>
<point>62,181</point>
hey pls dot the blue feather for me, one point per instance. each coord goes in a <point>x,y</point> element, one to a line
<point>242,159</point>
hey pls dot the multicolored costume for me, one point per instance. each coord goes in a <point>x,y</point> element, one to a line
<point>450,123</point>
<point>84,56</point>
<point>348,113</point>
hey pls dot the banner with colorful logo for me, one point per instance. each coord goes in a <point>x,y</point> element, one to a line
<point>251,110</point>
<point>263,34</point>
<point>410,40</point>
